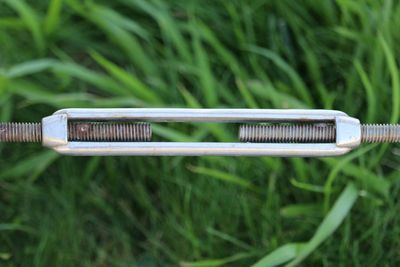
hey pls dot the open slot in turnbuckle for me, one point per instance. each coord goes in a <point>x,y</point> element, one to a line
<point>119,132</point>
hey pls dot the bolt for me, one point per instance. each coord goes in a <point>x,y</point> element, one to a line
<point>322,133</point>
<point>20,132</point>
<point>109,132</point>
<point>79,131</point>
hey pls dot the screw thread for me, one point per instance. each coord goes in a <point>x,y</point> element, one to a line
<point>299,133</point>
<point>109,132</point>
<point>20,132</point>
<point>78,131</point>
<point>380,133</point>
<point>370,133</point>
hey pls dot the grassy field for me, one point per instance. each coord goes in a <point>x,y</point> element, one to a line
<point>199,211</point>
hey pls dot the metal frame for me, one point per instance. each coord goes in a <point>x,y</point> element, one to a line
<point>55,135</point>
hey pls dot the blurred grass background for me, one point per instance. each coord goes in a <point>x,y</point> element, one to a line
<point>206,211</point>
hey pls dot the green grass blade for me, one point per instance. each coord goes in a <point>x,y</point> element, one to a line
<point>229,238</point>
<point>32,166</point>
<point>119,31</point>
<point>171,134</point>
<point>101,81</point>
<point>298,83</point>
<point>298,252</point>
<point>137,88</point>
<point>223,176</point>
<point>11,23</point>
<point>35,94</point>
<point>331,222</point>
<point>217,262</point>
<point>53,16</point>
<point>247,95</point>
<point>277,98</point>
<point>279,256</point>
<point>307,186</point>
<point>339,166</point>
<point>207,82</point>
<point>28,68</point>
<point>394,73</point>
<point>364,178</point>
<point>15,227</point>
<point>119,20</point>
<point>190,100</point>
<point>301,210</point>
<point>169,26</point>
<point>369,90</point>
<point>31,20</point>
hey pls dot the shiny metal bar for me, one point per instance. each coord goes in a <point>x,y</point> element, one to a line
<point>201,115</point>
<point>199,149</point>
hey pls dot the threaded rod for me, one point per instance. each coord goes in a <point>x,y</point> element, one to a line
<point>109,132</point>
<point>287,133</point>
<point>20,132</point>
<point>380,133</point>
<point>307,133</point>
<point>79,131</point>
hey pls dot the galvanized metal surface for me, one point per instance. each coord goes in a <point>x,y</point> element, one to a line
<point>200,115</point>
<point>208,148</point>
<point>199,149</point>
<point>121,132</point>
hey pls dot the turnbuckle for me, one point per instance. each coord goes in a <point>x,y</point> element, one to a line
<point>264,132</point>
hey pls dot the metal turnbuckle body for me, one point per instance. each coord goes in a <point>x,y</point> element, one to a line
<point>55,132</point>
<point>264,132</point>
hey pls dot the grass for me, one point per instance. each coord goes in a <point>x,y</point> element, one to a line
<point>199,211</point>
